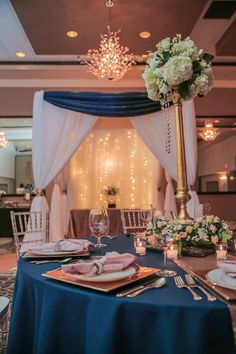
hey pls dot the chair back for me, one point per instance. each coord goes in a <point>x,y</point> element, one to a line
<point>29,228</point>
<point>131,220</point>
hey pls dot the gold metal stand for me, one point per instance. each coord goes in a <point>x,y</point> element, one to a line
<point>182,194</point>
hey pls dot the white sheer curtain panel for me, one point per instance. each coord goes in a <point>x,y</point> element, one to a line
<point>155,130</point>
<point>56,215</point>
<point>160,194</point>
<point>170,207</point>
<point>57,133</point>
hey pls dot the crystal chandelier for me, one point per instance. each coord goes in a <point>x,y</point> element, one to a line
<point>110,61</point>
<point>209,133</point>
<point>3,140</point>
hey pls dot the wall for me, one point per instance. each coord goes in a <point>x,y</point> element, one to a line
<point>7,163</point>
<point>222,204</point>
<point>7,169</point>
<point>7,184</point>
<point>212,159</point>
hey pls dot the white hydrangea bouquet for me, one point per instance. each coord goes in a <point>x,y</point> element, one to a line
<point>177,66</point>
<point>202,232</point>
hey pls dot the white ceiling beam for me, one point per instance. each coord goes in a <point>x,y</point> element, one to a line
<point>207,32</point>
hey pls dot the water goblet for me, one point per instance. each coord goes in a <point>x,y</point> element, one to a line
<point>98,224</point>
<point>146,214</point>
<point>165,242</point>
<point>206,209</point>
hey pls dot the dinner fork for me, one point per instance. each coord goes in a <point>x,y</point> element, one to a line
<point>180,284</point>
<point>191,282</point>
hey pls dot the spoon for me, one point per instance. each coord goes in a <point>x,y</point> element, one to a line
<point>157,284</point>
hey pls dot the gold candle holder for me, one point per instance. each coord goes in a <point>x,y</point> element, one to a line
<point>182,196</point>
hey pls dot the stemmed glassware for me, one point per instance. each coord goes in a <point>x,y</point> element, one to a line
<point>146,214</point>
<point>98,224</point>
<point>165,241</point>
<point>206,209</point>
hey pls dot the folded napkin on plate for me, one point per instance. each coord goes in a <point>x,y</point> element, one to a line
<point>111,262</point>
<point>229,267</point>
<point>66,245</point>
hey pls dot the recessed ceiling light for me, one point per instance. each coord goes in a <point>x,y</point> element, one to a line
<point>216,121</point>
<point>72,34</point>
<point>20,54</point>
<point>144,34</point>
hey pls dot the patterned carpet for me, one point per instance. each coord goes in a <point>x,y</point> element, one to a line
<point>7,281</point>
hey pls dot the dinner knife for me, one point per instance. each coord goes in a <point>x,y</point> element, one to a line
<point>138,287</point>
<point>127,292</point>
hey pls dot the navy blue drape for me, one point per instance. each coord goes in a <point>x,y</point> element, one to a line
<point>127,104</point>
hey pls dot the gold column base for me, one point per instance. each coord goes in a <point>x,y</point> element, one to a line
<point>182,196</point>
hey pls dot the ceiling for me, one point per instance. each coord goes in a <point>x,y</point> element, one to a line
<point>52,60</point>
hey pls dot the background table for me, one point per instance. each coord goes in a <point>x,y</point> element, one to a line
<point>51,317</point>
<point>79,222</point>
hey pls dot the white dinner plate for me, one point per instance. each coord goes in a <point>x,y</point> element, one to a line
<point>105,277</point>
<point>219,277</point>
<point>54,253</point>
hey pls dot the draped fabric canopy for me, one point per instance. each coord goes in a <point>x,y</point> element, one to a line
<point>127,104</point>
<point>61,121</point>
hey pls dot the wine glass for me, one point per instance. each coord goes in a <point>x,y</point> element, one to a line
<point>206,209</point>
<point>146,213</point>
<point>169,214</point>
<point>98,224</point>
<point>165,241</point>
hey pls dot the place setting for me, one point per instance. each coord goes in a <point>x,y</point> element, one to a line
<point>65,249</point>
<point>112,271</point>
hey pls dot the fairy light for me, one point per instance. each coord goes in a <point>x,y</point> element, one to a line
<point>101,161</point>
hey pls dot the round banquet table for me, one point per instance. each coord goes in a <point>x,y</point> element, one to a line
<point>52,317</point>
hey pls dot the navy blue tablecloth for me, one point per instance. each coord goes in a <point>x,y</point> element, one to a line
<point>51,317</point>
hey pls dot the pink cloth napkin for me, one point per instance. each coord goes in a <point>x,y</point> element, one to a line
<point>229,267</point>
<point>66,245</point>
<point>111,262</point>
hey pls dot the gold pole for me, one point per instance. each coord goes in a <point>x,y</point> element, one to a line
<point>182,194</point>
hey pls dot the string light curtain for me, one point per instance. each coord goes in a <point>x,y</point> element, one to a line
<point>112,157</point>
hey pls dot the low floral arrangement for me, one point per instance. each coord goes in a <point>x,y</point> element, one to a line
<point>110,190</point>
<point>201,232</point>
<point>177,66</point>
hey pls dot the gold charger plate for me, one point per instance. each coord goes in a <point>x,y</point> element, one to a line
<point>142,273</point>
<point>199,268</point>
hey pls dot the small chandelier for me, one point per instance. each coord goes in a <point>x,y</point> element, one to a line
<point>3,140</point>
<point>209,133</point>
<point>110,61</point>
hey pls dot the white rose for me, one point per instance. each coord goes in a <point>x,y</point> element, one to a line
<point>177,70</point>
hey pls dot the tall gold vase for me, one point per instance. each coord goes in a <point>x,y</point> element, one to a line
<point>182,196</point>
